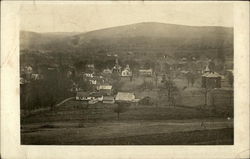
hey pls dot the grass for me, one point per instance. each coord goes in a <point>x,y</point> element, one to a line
<point>197,137</point>
<point>74,111</point>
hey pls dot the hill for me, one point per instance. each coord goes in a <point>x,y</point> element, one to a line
<point>149,39</point>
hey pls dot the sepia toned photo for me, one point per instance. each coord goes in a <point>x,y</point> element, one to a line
<point>126,75</point>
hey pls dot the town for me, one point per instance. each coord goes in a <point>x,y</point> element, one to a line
<point>130,85</point>
<point>146,83</point>
<point>182,84</point>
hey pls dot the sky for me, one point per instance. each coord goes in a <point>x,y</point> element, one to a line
<point>87,17</point>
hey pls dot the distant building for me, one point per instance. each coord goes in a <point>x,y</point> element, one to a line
<point>125,96</point>
<point>90,75</point>
<point>126,72</point>
<point>117,68</point>
<point>108,100</point>
<point>35,76</point>
<point>93,81</point>
<point>85,96</point>
<point>106,89</point>
<point>146,72</point>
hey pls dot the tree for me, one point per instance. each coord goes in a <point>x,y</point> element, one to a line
<point>190,78</point>
<point>120,108</point>
<point>172,90</point>
<point>80,65</point>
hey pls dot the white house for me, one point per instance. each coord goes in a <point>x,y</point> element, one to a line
<point>93,81</point>
<point>146,72</point>
<point>126,72</point>
<point>91,75</point>
<point>107,89</point>
<point>89,96</point>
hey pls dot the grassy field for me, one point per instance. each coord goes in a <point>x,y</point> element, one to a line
<point>74,123</point>
<point>78,111</point>
<point>197,137</point>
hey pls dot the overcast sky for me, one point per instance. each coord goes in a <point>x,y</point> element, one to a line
<point>87,17</point>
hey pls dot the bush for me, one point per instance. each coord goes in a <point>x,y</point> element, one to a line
<point>146,101</point>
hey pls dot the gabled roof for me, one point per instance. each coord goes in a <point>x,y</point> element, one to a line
<point>211,75</point>
<point>125,96</point>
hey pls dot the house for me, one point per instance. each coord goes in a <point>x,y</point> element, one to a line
<point>89,96</point>
<point>89,75</point>
<point>146,72</point>
<point>125,96</point>
<point>93,81</point>
<point>108,100</point>
<point>95,96</point>
<point>126,72</point>
<point>106,89</point>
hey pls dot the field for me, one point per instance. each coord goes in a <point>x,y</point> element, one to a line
<point>74,123</point>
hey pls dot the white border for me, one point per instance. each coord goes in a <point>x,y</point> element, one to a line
<point>10,121</point>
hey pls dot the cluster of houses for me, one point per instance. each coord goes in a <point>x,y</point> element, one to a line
<point>105,95</point>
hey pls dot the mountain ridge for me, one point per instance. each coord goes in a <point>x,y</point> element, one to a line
<point>139,37</point>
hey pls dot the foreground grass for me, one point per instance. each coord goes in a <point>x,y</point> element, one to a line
<point>77,124</point>
<point>75,111</point>
<point>197,137</point>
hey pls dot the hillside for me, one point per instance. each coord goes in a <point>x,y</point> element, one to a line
<point>140,39</point>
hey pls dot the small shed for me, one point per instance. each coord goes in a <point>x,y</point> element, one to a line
<point>108,99</point>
